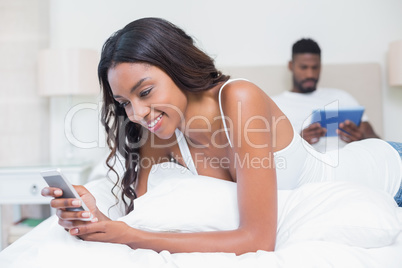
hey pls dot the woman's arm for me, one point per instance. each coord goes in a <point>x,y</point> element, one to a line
<point>248,108</point>
<point>253,126</point>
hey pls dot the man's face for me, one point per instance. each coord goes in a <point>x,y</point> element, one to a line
<point>306,69</point>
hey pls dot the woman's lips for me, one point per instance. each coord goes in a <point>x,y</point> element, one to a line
<point>154,124</point>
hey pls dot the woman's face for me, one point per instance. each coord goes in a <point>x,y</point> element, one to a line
<point>149,96</point>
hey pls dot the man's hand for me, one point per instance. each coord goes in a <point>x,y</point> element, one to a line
<point>348,131</point>
<point>313,133</point>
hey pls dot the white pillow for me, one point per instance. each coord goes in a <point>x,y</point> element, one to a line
<point>187,204</point>
<point>338,212</point>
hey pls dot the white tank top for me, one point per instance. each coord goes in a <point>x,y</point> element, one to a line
<point>300,163</point>
<point>185,152</point>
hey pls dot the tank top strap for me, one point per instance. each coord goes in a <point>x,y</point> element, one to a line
<point>185,151</point>
<point>220,107</point>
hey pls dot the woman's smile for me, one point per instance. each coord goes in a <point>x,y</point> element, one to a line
<point>155,124</point>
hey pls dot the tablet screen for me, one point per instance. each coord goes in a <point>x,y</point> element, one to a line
<point>331,118</point>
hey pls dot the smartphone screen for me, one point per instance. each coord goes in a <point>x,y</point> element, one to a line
<point>55,178</point>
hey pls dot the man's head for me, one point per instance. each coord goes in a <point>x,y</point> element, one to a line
<point>305,65</point>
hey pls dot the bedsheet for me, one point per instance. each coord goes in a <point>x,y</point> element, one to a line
<point>301,211</point>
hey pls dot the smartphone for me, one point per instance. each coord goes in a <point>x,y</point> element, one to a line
<point>55,178</point>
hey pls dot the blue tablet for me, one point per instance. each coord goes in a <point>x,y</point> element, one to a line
<point>331,118</point>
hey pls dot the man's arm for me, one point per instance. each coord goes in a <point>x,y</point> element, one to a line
<point>368,130</point>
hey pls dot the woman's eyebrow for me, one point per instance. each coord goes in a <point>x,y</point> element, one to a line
<point>135,87</point>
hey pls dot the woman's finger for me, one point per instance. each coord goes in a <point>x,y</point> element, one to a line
<point>51,191</point>
<point>65,203</point>
<point>67,224</point>
<point>88,229</point>
<point>73,215</point>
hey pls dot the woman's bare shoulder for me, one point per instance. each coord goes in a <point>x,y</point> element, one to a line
<point>245,92</point>
<point>241,90</point>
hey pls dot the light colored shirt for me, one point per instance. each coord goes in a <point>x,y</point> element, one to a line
<point>298,107</point>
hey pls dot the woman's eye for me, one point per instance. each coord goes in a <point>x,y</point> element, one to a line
<point>123,104</point>
<point>145,92</point>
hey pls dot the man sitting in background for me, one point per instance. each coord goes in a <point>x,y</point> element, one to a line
<point>299,103</point>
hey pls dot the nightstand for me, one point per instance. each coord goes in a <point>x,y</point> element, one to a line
<point>23,185</point>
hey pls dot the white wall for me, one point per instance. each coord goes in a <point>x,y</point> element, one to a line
<point>251,32</point>
<point>23,114</point>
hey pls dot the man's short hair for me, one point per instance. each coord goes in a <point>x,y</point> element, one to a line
<point>305,45</point>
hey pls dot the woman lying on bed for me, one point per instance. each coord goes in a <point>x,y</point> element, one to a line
<point>157,85</point>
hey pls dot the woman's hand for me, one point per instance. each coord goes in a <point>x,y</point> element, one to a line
<point>106,231</point>
<point>70,219</point>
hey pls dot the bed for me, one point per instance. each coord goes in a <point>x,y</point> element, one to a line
<point>345,225</point>
<point>323,224</point>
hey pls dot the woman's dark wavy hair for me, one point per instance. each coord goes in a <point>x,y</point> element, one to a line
<point>159,43</point>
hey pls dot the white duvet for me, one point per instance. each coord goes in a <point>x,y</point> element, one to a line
<point>319,225</point>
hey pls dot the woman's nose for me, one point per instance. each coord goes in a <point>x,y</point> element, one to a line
<point>140,111</point>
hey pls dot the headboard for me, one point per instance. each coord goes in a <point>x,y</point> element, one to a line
<point>361,80</point>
